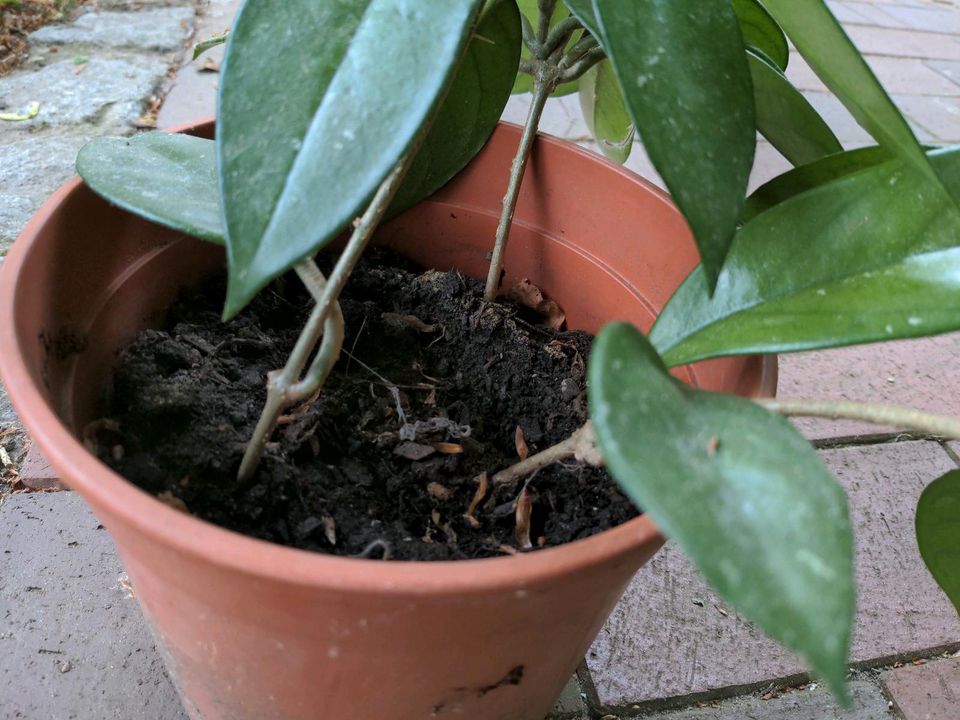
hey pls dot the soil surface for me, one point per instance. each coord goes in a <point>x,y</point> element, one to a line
<point>428,395</point>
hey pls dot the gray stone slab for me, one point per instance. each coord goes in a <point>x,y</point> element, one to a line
<point>73,644</point>
<point>671,636</point>
<point>194,93</point>
<point>106,93</point>
<point>812,702</point>
<point>930,19</point>
<point>950,69</point>
<point>30,169</point>
<point>939,116</point>
<point>161,29</point>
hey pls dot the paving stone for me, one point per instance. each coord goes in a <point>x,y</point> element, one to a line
<point>161,29</point>
<point>570,703</point>
<point>138,4</point>
<point>948,68</point>
<point>73,643</point>
<point>809,703</point>
<point>668,637</point>
<point>874,15</point>
<point>919,373</point>
<point>194,94</point>
<point>845,12</point>
<point>107,94</point>
<point>36,472</point>
<point>930,19</point>
<point>926,692</point>
<point>902,43</point>
<point>30,169</point>
<point>940,116</point>
<point>847,130</point>
<point>909,76</point>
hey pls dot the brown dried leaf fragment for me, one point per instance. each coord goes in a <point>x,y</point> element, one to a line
<point>407,321</point>
<point>522,514</point>
<point>448,448</point>
<point>529,295</point>
<point>521,443</point>
<point>438,491</point>
<point>171,500</point>
<point>478,496</point>
<point>329,529</point>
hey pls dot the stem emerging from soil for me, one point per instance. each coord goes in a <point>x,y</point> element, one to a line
<point>878,414</point>
<point>544,81</point>
<point>581,445</point>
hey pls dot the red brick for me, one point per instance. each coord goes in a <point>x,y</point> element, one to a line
<point>926,692</point>
<point>37,473</point>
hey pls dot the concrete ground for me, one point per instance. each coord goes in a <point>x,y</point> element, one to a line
<point>73,642</point>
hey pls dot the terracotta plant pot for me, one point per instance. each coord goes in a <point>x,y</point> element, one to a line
<point>256,631</point>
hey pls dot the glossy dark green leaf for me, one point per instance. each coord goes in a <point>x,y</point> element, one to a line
<point>938,532</point>
<point>523,83</point>
<point>583,11</point>
<point>807,177</point>
<point>169,179</point>
<point>684,74</point>
<point>472,107</point>
<point>605,112</point>
<point>870,256</point>
<point>834,58</point>
<point>785,117</point>
<point>761,32</point>
<point>318,101</point>
<point>739,489</point>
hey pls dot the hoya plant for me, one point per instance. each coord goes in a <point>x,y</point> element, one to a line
<point>334,116</point>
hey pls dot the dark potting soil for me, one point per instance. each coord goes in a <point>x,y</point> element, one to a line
<point>427,395</point>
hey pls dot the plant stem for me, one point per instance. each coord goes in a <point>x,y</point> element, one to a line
<point>284,387</point>
<point>545,10</point>
<point>560,35</point>
<point>581,445</point>
<point>878,414</point>
<point>544,81</point>
<point>578,68</point>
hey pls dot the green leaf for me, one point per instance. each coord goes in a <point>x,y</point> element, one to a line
<point>472,107</point>
<point>761,32</point>
<point>169,179</point>
<point>739,489</point>
<point>605,112</point>
<point>307,135</point>
<point>211,42</point>
<point>785,117</point>
<point>807,177</point>
<point>870,256</point>
<point>523,83</point>
<point>583,11</point>
<point>938,532</point>
<point>834,58</point>
<point>684,74</point>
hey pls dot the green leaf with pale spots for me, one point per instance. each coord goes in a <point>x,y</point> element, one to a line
<point>761,32</point>
<point>306,135</point>
<point>872,255</point>
<point>683,70</point>
<point>605,112</point>
<point>738,489</point>
<point>786,118</point>
<point>169,179</point>
<point>472,107</point>
<point>938,532</point>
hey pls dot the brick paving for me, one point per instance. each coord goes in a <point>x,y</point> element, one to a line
<point>670,641</point>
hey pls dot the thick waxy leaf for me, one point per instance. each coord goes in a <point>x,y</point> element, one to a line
<point>761,32</point>
<point>605,112</point>
<point>523,82</point>
<point>869,256</point>
<point>472,107</point>
<point>834,58</point>
<point>807,177</point>
<point>169,179</point>
<point>684,74</point>
<point>938,532</point>
<point>742,493</point>
<point>297,167</point>
<point>583,11</point>
<point>785,117</point>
